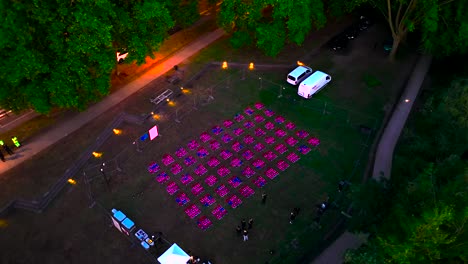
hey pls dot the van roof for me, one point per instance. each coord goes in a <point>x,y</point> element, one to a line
<point>299,70</point>
<point>314,78</point>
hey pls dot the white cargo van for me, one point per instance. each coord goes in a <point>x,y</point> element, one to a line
<point>313,84</point>
<point>298,74</point>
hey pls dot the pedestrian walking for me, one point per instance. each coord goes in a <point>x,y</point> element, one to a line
<point>342,185</point>
<point>246,235</point>
<point>296,210</point>
<point>292,216</point>
<point>250,223</point>
<point>2,157</point>
<point>8,149</point>
<point>264,196</point>
<point>238,230</point>
<point>243,223</point>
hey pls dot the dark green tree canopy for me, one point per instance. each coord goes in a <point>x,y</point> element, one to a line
<point>269,24</point>
<point>443,24</point>
<point>61,54</point>
<point>423,214</point>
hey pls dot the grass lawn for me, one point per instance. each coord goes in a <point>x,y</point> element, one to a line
<point>71,232</point>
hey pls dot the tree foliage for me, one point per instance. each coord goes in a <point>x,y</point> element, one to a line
<point>443,24</point>
<point>424,214</point>
<point>61,54</point>
<point>183,12</point>
<point>270,24</point>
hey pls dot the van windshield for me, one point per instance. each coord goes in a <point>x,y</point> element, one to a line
<point>291,78</point>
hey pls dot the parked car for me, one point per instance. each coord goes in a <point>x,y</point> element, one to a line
<point>298,75</point>
<point>351,32</point>
<point>364,23</point>
<point>338,43</point>
<point>388,45</point>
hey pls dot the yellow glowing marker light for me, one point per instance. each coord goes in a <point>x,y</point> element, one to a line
<point>251,66</point>
<point>97,154</point>
<point>225,65</point>
<point>300,63</point>
<point>117,131</point>
<point>71,181</point>
<point>3,223</point>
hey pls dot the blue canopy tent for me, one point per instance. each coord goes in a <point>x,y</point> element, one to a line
<point>174,255</point>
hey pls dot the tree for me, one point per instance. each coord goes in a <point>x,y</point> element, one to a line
<point>432,238</point>
<point>183,12</point>
<point>270,23</point>
<point>424,224</point>
<point>442,23</point>
<point>140,27</point>
<point>61,54</point>
<point>368,213</point>
<point>423,215</point>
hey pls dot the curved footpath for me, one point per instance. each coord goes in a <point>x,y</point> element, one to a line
<point>63,129</point>
<point>384,155</point>
<point>389,139</point>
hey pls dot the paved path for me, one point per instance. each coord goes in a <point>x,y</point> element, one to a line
<point>383,159</point>
<point>384,154</point>
<point>63,129</point>
<point>335,252</point>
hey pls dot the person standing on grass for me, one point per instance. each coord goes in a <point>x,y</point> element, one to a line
<point>296,210</point>
<point>238,230</point>
<point>243,223</point>
<point>246,235</point>
<point>250,223</point>
<point>292,216</point>
<point>264,196</point>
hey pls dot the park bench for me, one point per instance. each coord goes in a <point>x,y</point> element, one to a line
<point>163,96</point>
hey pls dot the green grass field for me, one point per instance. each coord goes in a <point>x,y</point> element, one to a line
<point>71,232</point>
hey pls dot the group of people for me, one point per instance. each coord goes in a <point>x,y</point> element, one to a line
<point>244,227</point>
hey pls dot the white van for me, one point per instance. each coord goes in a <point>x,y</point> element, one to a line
<point>298,74</point>
<point>313,84</point>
